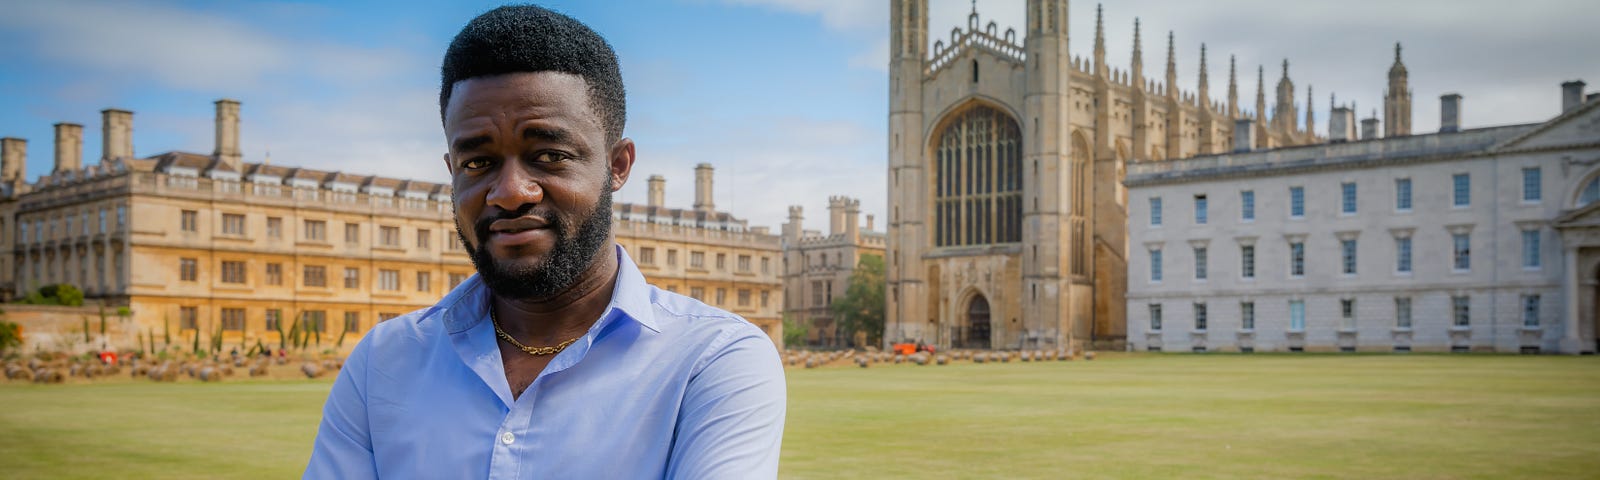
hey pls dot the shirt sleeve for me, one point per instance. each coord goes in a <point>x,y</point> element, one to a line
<point>343,448</point>
<point>731,423</point>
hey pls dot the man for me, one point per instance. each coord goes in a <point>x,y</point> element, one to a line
<point>557,360</point>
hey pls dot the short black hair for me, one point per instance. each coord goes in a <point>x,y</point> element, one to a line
<point>530,38</point>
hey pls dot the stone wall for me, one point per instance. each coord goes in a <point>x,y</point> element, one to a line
<point>58,328</point>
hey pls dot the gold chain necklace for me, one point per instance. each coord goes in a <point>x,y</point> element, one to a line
<point>535,351</point>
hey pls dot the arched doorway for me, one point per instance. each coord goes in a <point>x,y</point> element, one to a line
<point>978,322</point>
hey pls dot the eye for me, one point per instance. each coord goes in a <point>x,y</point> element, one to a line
<point>550,157</point>
<point>475,163</point>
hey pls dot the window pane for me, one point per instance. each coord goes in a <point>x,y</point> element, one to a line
<point>1402,194</point>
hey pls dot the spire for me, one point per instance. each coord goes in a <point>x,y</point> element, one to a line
<point>1138,58</point>
<point>1397,100</point>
<point>1099,42</point>
<point>1233,89</point>
<point>1205,86</point>
<point>1285,117</point>
<point>1261,94</point>
<point>1172,67</point>
<point>1311,123</point>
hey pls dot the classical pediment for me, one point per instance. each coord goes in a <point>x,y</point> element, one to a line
<point>1586,216</point>
<point>1580,126</point>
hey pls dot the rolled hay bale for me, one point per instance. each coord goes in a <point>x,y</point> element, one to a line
<point>920,358</point>
<point>139,371</point>
<point>190,369</point>
<point>210,374</point>
<point>48,375</point>
<point>15,372</point>
<point>898,358</point>
<point>861,361</point>
<point>310,370</point>
<point>166,372</point>
<point>1027,356</point>
<point>259,369</point>
<point>1005,358</point>
<point>110,370</point>
<point>1088,355</point>
<point>238,362</point>
<point>75,370</point>
<point>979,359</point>
<point>941,359</point>
<point>282,360</point>
<point>811,363</point>
<point>227,370</point>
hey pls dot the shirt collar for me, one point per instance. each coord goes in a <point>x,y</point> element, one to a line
<point>468,303</point>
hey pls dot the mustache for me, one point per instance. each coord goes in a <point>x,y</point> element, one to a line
<point>481,226</point>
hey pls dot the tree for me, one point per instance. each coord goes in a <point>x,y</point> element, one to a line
<point>794,332</point>
<point>861,309</point>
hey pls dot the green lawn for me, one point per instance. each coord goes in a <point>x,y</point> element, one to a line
<point>1139,416</point>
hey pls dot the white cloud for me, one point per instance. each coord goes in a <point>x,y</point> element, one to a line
<point>840,15</point>
<point>190,50</point>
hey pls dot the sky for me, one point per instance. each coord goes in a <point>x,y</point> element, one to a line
<point>786,98</point>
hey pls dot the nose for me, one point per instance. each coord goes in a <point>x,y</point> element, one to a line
<point>513,187</point>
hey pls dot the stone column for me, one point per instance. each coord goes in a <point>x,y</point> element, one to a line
<point>1572,287</point>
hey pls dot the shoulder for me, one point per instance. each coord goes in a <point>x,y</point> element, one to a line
<point>712,332</point>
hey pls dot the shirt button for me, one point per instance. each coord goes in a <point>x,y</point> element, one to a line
<point>507,438</point>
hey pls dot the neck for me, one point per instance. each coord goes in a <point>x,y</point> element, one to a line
<point>563,316</point>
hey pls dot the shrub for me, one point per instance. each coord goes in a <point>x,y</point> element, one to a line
<point>56,294</point>
<point>10,336</point>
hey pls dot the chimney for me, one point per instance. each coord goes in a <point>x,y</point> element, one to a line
<point>1244,135</point>
<point>794,228</point>
<point>116,126</point>
<point>836,215</point>
<point>1342,125</point>
<point>13,157</point>
<point>1369,128</point>
<point>1571,95</point>
<point>702,188</point>
<point>69,147</point>
<point>1450,113</point>
<point>658,191</point>
<point>852,219</point>
<point>228,133</point>
<point>869,223</point>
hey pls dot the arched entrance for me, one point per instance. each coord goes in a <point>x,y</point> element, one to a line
<point>978,322</point>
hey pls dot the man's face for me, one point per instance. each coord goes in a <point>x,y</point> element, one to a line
<point>533,177</point>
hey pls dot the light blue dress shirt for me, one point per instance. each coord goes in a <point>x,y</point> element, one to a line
<point>662,386</point>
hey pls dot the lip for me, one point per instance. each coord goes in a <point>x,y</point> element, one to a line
<point>517,225</point>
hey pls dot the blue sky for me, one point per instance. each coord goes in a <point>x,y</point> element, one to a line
<point>787,98</point>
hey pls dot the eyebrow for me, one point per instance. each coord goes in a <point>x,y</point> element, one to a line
<point>553,135</point>
<point>469,143</point>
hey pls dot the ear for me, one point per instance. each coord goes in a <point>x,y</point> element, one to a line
<point>621,163</point>
<point>449,167</point>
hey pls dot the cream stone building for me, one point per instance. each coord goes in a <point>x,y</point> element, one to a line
<point>1007,219</point>
<point>706,254</point>
<point>1484,239</point>
<point>208,243</point>
<point>817,267</point>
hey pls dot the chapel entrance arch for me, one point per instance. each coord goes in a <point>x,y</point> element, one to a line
<point>978,327</point>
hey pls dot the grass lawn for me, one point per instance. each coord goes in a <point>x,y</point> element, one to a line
<point>1127,416</point>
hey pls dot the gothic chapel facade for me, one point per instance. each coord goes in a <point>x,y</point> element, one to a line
<point>1008,218</point>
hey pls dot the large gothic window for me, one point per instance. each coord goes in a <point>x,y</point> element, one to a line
<point>978,185</point>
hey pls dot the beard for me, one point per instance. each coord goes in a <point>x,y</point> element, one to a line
<point>561,267</point>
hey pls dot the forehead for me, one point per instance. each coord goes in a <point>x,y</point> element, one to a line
<point>556,96</point>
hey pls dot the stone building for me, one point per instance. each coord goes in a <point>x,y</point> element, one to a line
<point>211,243</point>
<point>1007,218</point>
<point>706,254</point>
<point>1484,239</point>
<point>817,267</point>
